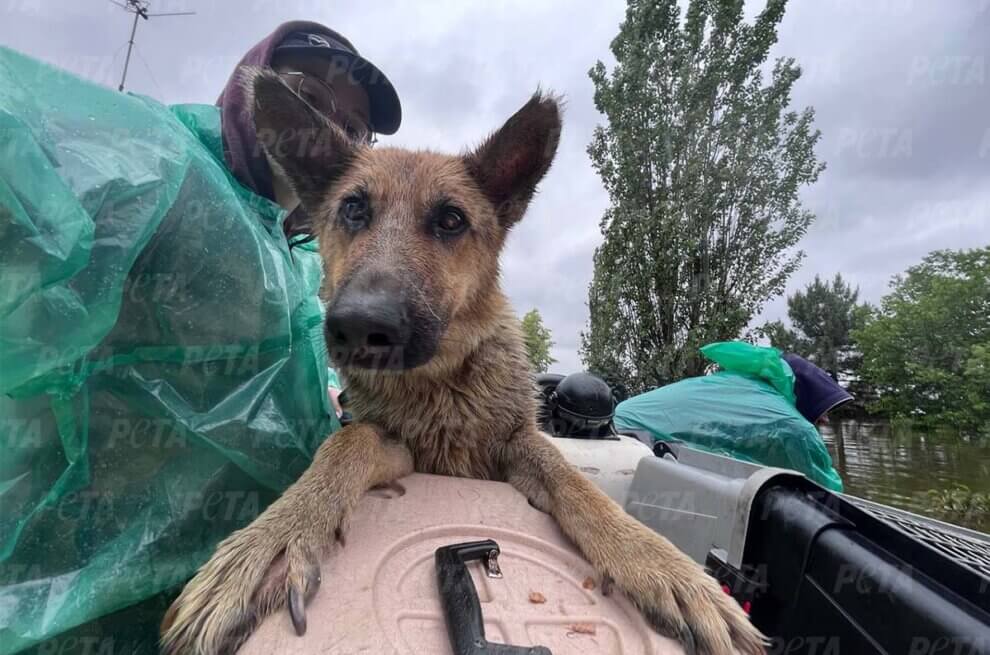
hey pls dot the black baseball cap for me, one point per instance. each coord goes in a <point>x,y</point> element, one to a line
<point>386,111</point>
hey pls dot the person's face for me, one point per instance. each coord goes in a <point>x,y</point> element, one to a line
<point>331,92</point>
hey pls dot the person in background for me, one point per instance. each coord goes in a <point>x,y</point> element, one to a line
<point>334,389</point>
<point>817,392</point>
<point>324,69</point>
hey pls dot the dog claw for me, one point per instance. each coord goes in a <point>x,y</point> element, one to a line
<point>297,610</point>
<point>341,538</point>
<point>607,583</point>
<point>302,584</point>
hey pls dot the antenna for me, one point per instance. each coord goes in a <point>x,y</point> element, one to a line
<point>140,10</point>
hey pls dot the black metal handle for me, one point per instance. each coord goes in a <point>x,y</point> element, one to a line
<point>459,598</point>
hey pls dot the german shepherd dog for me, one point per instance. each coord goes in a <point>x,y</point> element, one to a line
<point>436,375</point>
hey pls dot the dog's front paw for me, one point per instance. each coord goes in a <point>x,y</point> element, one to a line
<point>253,573</point>
<point>681,601</point>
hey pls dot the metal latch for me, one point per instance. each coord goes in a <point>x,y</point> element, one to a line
<point>461,607</point>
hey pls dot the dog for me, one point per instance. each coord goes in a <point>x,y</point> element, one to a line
<point>437,378</point>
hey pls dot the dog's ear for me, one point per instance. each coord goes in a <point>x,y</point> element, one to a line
<point>513,160</point>
<point>305,144</point>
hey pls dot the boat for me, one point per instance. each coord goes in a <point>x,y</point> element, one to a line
<point>466,566</point>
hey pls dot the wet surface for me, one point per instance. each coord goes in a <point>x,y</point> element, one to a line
<point>897,466</point>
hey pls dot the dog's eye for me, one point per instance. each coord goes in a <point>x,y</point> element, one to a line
<point>354,212</point>
<point>450,222</point>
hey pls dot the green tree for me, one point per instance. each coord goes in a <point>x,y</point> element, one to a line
<point>538,341</point>
<point>927,347</point>
<point>823,317</point>
<point>702,161</point>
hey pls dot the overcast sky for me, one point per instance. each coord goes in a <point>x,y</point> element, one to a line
<point>901,87</point>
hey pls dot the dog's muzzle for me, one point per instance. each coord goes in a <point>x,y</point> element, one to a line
<point>373,323</point>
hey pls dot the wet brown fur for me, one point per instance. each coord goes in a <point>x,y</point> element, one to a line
<point>469,411</point>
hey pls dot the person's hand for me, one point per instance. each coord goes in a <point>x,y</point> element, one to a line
<point>334,400</point>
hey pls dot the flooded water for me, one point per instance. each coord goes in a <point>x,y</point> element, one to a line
<point>897,467</point>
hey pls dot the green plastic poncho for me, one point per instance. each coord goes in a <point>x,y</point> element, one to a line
<point>162,370</point>
<point>746,411</point>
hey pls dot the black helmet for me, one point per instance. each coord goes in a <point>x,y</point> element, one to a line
<point>582,405</point>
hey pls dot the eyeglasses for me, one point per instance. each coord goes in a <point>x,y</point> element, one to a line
<point>321,97</point>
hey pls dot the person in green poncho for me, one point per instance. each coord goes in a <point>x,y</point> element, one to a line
<point>761,406</point>
<point>161,347</point>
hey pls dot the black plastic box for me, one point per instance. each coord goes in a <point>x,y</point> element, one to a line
<point>822,576</point>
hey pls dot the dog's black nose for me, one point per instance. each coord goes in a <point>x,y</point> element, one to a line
<point>368,319</point>
<point>374,323</point>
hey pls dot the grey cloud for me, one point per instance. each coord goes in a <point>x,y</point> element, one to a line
<point>901,89</point>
